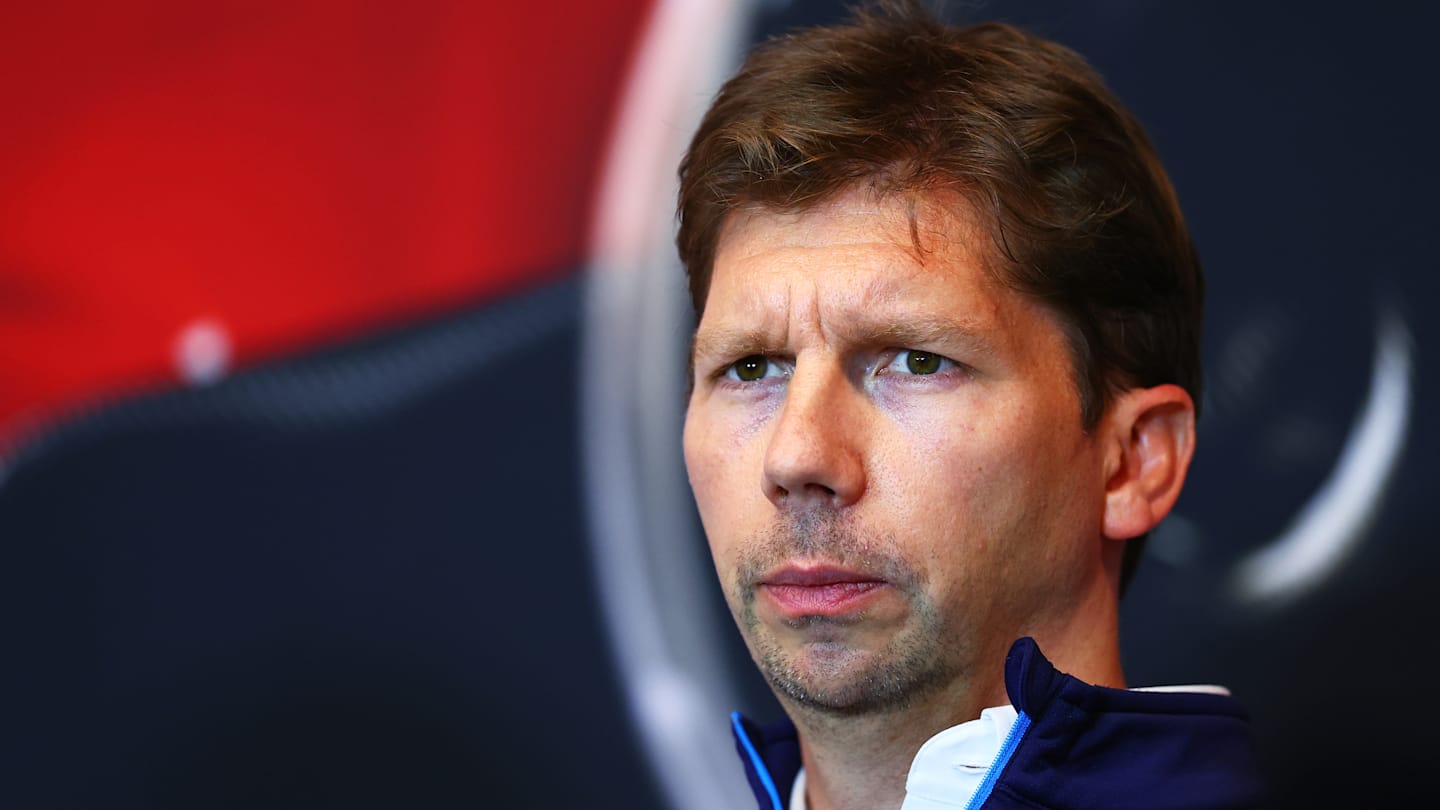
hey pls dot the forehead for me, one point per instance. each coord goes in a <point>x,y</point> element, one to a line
<point>920,226</point>
<point>859,256</point>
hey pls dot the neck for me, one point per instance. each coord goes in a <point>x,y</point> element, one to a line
<point>855,763</point>
<point>863,766</point>
<point>1083,640</point>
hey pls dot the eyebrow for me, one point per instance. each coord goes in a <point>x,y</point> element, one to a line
<point>943,333</point>
<point>922,331</point>
<point>729,344</point>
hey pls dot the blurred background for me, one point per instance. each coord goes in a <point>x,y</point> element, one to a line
<point>341,376</point>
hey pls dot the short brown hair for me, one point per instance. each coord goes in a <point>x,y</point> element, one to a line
<point>1081,214</point>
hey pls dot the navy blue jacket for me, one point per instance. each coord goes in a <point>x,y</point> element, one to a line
<point>1074,747</point>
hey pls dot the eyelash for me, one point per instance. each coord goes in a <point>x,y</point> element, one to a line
<point>731,372</point>
<point>774,369</point>
<point>943,364</point>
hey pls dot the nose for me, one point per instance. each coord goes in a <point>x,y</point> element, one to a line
<point>815,454</point>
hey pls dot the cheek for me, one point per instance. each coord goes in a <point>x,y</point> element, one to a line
<point>722,479</point>
<point>702,466</point>
<point>932,481</point>
<point>976,482</point>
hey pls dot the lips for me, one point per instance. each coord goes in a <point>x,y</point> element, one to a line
<point>820,590</point>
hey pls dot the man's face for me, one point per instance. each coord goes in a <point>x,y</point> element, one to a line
<point>886,450</point>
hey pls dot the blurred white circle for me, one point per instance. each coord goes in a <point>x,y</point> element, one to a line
<point>202,352</point>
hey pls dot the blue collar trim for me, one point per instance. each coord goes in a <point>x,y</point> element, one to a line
<point>756,762</point>
<point>1002,758</point>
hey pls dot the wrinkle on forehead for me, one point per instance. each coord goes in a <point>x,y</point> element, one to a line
<point>920,222</point>
<point>875,285</point>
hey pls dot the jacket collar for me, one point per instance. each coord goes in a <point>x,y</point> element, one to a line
<point>771,756</point>
<point>1080,746</point>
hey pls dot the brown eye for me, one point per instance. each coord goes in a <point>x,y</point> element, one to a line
<point>922,362</point>
<point>750,369</point>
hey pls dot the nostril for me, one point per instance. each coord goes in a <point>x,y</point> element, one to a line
<point>807,491</point>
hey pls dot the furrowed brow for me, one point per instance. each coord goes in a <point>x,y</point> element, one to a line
<point>727,344</point>
<point>924,331</point>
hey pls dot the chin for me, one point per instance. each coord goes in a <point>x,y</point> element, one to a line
<point>838,679</point>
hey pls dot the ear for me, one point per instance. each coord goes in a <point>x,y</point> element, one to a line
<point>1150,437</point>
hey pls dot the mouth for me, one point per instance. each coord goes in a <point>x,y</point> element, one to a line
<point>820,590</point>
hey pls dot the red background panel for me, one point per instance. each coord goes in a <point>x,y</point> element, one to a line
<point>297,173</point>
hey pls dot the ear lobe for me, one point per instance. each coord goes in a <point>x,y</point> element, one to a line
<point>1151,437</point>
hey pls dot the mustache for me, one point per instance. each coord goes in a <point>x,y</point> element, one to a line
<point>827,537</point>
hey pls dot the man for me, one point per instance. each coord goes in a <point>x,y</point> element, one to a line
<point>945,382</point>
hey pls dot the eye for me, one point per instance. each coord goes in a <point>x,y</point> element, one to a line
<point>752,368</point>
<point>920,363</point>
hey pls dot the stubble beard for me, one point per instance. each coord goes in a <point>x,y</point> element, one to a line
<point>830,676</point>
